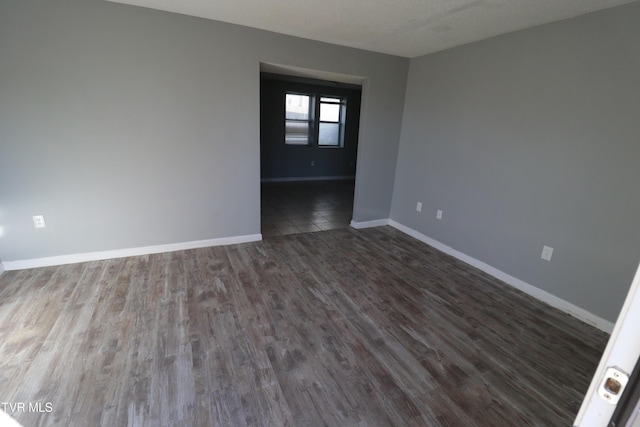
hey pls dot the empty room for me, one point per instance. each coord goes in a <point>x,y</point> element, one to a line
<point>470,271</point>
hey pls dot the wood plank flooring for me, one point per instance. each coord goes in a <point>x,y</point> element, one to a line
<point>338,328</point>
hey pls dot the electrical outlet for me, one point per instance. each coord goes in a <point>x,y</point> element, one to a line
<point>546,253</point>
<point>313,162</point>
<point>38,221</point>
<point>419,206</point>
<point>439,214</point>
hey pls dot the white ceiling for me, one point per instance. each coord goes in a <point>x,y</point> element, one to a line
<point>406,28</point>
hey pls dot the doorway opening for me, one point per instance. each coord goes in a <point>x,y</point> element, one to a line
<point>308,151</point>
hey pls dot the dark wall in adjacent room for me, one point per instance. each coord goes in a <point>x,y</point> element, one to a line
<point>289,162</point>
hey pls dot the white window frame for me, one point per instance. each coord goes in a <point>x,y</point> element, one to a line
<point>316,100</point>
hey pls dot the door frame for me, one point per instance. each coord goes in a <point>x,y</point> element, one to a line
<point>622,352</point>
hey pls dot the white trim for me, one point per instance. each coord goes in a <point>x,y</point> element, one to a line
<point>369,224</point>
<point>622,351</point>
<point>544,296</point>
<point>121,253</point>
<point>309,178</point>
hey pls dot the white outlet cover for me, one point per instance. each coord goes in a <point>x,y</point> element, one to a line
<point>419,207</point>
<point>38,221</point>
<point>439,214</point>
<point>547,252</point>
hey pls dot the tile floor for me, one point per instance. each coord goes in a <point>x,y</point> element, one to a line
<point>305,207</point>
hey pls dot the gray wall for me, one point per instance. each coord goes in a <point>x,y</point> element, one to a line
<point>129,127</point>
<point>278,160</point>
<point>532,139</point>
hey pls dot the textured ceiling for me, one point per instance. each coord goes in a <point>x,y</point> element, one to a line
<point>406,28</point>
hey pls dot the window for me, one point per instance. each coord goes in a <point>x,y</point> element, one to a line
<point>304,127</point>
<point>298,119</point>
<point>331,124</point>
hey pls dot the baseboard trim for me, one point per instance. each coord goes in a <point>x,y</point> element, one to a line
<point>368,224</point>
<point>544,296</point>
<point>122,253</point>
<point>308,178</point>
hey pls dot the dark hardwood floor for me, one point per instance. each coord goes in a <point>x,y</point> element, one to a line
<point>339,328</point>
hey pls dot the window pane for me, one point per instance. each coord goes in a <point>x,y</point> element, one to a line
<point>329,134</point>
<point>297,106</point>
<point>296,133</point>
<point>330,112</point>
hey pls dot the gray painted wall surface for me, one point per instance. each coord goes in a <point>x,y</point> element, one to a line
<point>532,139</point>
<point>128,127</point>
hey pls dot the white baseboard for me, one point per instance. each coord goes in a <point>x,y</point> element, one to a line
<point>308,178</point>
<point>369,224</point>
<point>537,293</point>
<point>544,296</point>
<point>121,253</point>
